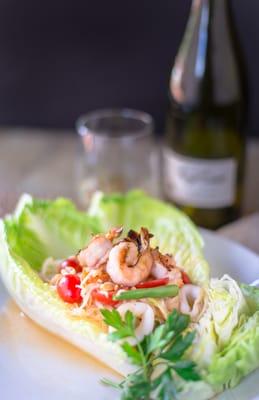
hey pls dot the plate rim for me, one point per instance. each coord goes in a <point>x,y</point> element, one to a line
<point>207,232</point>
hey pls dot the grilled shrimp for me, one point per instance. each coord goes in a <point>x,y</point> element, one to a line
<point>175,277</point>
<point>161,264</point>
<point>144,313</point>
<point>130,261</point>
<point>192,301</point>
<point>164,266</point>
<point>97,251</point>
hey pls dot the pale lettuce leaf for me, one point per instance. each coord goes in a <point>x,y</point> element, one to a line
<point>44,228</point>
<point>226,310</point>
<point>227,304</point>
<point>238,358</point>
<point>251,294</point>
<point>173,231</point>
<point>37,230</point>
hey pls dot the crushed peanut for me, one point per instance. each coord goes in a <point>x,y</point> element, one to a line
<point>107,286</point>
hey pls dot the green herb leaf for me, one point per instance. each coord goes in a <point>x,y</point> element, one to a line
<point>132,353</point>
<point>187,370</point>
<point>112,318</point>
<point>108,382</point>
<point>178,348</point>
<point>115,336</point>
<point>130,320</point>
<point>163,349</point>
<point>123,329</point>
<point>167,389</point>
<point>177,322</point>
<point>154,340</point>
<point>136,387</point>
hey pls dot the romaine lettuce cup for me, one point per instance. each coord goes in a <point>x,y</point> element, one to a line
<point>40,229</point>
<point>36,230</point>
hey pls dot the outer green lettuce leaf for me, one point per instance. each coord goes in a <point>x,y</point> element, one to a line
<point>226,341</point>
<point>226,310</point>
<point>251,294</point>
<point>25,240</point>
<point>43,228</point>
<point>173,231</point>
<point>238,358</point>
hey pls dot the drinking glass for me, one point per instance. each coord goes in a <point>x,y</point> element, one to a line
<point>118,153</point>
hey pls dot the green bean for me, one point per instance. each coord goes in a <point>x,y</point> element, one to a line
<point>157,292</point>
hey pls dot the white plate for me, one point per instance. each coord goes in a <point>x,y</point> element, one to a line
<point>35,365</point>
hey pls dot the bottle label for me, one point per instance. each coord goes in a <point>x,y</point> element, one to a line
<point>201,183</point>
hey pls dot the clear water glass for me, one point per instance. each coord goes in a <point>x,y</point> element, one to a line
<point>118,152</point>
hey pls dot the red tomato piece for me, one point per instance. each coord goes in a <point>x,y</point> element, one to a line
<point>68,288</point>
<point>153,283</point>
<point>71,262</point>
<point>102,298</point>
<point>185,278</point>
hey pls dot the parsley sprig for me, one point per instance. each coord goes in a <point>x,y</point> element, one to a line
<point>159,356</point>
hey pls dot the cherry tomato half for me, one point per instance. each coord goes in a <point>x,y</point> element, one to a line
<point>185,278</point>
<point>102,298</point>
<point>68,288</point>
<point>153,283</point>
<point>71,262</point>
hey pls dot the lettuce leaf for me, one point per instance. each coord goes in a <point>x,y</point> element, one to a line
<point>226,310</point>
<point>205,343</point>
<point>227,305</point>
<point>173,231</point>
<point>43,228</point>
<point>238,358</point>
<point>251,294</point>
<point>51,228</point>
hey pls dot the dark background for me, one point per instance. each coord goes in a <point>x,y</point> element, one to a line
<point>59,59</point>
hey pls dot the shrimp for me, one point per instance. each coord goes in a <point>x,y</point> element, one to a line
<point>97,251</point>
<point>164,266</point>
<point>161,264</point>
<point>130,261</point>
<point>158,270</point>
<point>144,313</point>
<point>175,277</point>
<point>192,301</point>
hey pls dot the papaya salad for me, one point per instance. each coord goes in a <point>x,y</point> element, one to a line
<point>126,274</point>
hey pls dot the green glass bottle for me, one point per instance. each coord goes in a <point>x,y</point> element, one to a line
<point>203,154</point>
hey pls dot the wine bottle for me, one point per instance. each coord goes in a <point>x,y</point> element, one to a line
<point>203,154</point>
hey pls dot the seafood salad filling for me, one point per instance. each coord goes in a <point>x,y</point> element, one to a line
<point>127,274</point>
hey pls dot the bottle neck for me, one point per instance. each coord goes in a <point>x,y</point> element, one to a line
<point>205,69</point>
<point>218,6</point>
<point>212,13</point>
